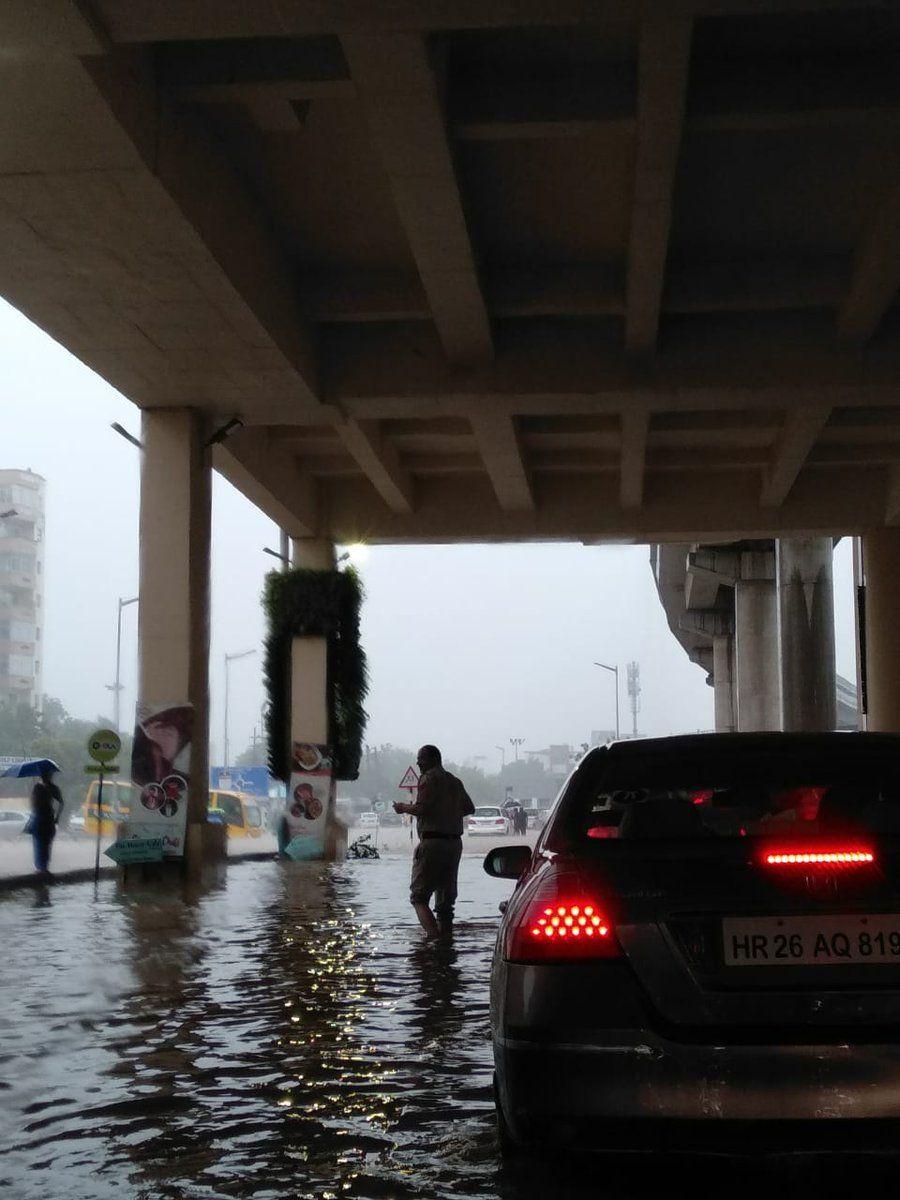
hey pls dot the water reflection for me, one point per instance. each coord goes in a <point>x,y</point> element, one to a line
<point>285,1034</point>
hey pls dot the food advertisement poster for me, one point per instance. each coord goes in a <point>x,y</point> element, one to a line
<point>308,800</point>
<point>160,773</point>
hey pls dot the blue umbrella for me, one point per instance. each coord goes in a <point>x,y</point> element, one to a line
<point>29,769</point>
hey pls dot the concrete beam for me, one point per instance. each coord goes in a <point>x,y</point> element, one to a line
<point>712,624</point>
<point>380,462</point>
<point>775,363</point>
<point>635,426</point>
<point>190,19</point>
<point>254,462</point>
<point>501,451</point>
<point>586,507</point>
<point>663,61</point>
<point>701,586</point>
<point>573,290</point>
<point>801,428</point>
<point>398,89</point>
<point>876,275</point>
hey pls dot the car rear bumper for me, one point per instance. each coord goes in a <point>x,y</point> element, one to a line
<point>559,1091</point>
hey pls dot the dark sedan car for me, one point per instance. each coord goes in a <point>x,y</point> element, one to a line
<point>707,935</point>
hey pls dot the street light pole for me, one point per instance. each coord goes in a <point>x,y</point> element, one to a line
<point>116,688</point>
<point>516,743</point>
<point>615,671</point>
<point>502,750</point>
<point>229,658</point>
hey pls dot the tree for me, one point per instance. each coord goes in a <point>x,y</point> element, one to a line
<point>52,733</point>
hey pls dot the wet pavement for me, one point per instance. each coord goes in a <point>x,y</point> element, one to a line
<point>283,1034</point>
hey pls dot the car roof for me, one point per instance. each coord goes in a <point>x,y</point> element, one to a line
<point>729,743</point>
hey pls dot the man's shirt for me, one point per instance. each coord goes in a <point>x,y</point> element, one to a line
<point>441,804</point>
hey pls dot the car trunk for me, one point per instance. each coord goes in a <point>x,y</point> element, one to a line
<point>719,938</point>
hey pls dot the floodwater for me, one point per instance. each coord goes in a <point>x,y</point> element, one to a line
<point>283,1034</point>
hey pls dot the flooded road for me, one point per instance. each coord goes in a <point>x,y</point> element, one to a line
<point>286,1034</point>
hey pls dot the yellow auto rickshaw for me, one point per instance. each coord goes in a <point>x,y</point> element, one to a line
<point>242,814</point>
<point>113,810</point>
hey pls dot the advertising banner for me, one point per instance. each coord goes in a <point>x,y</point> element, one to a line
<point>160,772</point>
<point>308,800</point>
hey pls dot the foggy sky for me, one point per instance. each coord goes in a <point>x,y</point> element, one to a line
<point>468,645</point>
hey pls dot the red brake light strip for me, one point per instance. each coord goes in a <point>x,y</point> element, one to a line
<point>796,858</point>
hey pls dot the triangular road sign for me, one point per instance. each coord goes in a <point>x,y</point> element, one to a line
<point>410,780</point>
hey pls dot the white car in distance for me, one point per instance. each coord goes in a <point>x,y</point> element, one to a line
<point>490,821</point>
<point>12,823</point>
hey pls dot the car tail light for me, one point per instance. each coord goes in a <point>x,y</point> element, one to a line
<point>557,924</point>
<point>853,856</point>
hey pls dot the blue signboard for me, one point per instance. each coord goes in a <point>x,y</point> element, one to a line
<point>254,781</point>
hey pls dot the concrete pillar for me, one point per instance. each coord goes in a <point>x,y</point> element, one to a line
<point>881,563</point>
<point>173,614</point>
<point>804,568</point>
<point>309,685</point>
<point>757,664</point>
<point>723,683</point>
<point>313,554</point>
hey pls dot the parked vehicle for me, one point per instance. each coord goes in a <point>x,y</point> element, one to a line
<point>489,820</point>
<point>12,823</point>
<point>113,810</point>
<point>706,934</point>
<point>241,813</point>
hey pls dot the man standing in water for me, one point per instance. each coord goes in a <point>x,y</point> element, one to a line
<point>46,806</point>
<point>441,804</point>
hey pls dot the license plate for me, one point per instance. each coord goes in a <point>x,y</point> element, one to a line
<point>811,941</point>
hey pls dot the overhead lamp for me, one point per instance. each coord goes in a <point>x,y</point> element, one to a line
<point>223,432</point>
<point>129,437</point>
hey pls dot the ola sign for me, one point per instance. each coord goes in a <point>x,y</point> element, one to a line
<point>103,745</point>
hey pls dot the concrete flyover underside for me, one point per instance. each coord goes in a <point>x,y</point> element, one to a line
<point>549,270</point>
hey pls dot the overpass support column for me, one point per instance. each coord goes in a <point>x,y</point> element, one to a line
<point>173,618</point>
<point>881,563</point>
<point>313,554</point>
<point>309,684</point>
<point>806,632</point>
<point>757,663</point>
<point>723,683</point>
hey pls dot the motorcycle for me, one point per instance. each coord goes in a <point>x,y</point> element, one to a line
<point>363,848</point>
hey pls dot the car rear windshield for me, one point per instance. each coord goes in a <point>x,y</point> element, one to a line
<point>742,795</point>
<point>487,812</point>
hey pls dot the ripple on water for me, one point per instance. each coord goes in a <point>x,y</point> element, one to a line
<point>285,1035</point>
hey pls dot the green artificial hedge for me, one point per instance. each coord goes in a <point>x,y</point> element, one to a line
<point>316,604</point>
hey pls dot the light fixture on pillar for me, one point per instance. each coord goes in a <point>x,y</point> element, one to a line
<point>223,432</point>
<point>129,437</point>
<point>355,554</point>
<point>285,558</point>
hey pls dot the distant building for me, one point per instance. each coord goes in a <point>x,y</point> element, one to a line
<point>21,587</point>
<point>557,760</point>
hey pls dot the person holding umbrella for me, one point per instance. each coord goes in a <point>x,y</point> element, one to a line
<point>46,807</point>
